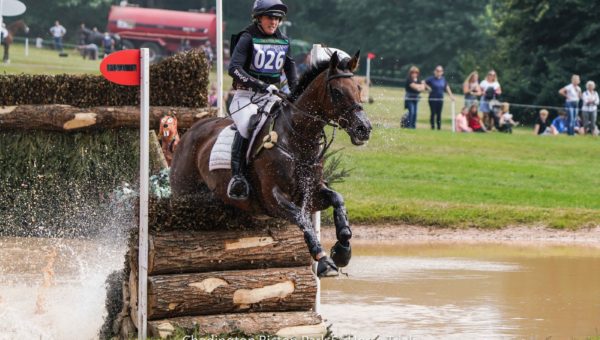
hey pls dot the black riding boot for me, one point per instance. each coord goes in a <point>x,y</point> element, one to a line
<point>238,188</point>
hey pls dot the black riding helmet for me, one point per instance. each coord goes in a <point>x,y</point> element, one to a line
<point>273,8</point>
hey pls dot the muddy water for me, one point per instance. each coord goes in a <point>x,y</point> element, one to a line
<point>466,291</point>
<point>54,288</point>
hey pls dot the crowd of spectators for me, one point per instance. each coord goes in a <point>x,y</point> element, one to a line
<point>484,112</point>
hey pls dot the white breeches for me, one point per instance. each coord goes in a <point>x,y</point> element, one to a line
<point>245,104</point>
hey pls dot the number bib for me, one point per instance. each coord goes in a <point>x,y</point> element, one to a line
<point>268,56</point>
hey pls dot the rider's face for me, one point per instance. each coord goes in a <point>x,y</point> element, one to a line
<point>269,24</point>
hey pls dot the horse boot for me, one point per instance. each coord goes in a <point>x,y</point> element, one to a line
<point>341,254</point>
<point>326,267</point>
<point>238,188</point>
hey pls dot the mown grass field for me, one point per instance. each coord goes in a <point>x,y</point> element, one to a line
<point>438,178</point>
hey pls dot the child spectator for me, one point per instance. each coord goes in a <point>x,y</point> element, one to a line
<point>461,121</point>
<point>475,120</point>
<point>506,119</point>
<point>541,125</point>
<point>560,122</point>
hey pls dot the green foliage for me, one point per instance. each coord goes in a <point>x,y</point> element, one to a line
<point>541,43</point>
<point>60,181</point>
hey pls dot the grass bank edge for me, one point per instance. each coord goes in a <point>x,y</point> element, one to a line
<point>446,215</point>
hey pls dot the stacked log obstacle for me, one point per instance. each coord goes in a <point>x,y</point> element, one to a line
<point>255,280</point>
<point>180,80</point>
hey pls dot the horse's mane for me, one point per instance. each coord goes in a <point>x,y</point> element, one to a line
<point>311,74</point>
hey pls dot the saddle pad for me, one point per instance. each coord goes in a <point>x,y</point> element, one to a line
<point>220,155</point>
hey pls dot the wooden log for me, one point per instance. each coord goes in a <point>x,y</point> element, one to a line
<point>285,324</point>
<point>202,251</point>
<point>264,290</point>
<point>70,118</point>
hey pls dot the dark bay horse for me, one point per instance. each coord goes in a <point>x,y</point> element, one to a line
<point>287,180</point>
<point>13,29</point>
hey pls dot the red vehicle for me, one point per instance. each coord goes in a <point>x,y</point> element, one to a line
<point>162,31</point>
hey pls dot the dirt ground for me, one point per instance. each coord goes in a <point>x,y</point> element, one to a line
<point>510,235</point>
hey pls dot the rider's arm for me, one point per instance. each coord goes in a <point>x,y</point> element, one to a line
<point>237,62</point>
<point>290,71</point>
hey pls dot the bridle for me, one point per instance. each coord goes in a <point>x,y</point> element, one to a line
<point>335,124</point>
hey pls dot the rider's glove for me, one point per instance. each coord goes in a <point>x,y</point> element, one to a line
<point>272,89</point>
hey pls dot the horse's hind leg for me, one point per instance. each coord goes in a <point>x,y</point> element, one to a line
<point>341,251</point>
<point>293,213</point>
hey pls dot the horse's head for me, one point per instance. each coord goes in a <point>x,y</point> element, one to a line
<point>343,93</point>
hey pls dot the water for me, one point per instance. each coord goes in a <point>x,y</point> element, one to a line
<point>53,288</point>
<point>466,291</point>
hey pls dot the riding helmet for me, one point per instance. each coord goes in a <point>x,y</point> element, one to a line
<point>273,8</point>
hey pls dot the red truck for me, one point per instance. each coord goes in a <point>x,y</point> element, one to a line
<point>162,31</point>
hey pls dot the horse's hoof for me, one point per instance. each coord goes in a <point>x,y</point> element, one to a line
<point>326,267</point>
<point>341,254</point>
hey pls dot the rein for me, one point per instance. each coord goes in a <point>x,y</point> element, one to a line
<point>326,143</point>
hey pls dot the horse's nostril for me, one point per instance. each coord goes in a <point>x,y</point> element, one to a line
<point>165,126</point>
<point>362,131</point>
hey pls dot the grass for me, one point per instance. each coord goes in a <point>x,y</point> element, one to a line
<point>491,180</point>
<point>44,61</point>
<point>438,178</point>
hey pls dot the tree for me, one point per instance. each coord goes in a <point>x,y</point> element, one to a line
<point>541,43</point>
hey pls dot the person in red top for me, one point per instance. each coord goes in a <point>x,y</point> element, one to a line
<point>475,120</point>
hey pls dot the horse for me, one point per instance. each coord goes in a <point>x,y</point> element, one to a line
<point>169,136</point>
<point>13,28</point>
<point>287,176</point>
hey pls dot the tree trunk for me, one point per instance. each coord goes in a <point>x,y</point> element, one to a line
<point>70,118</point>
<point>263,290</point>
<point>173,252</point>
<point>286,324</point>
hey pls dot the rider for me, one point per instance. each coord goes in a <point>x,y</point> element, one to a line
<point>259,57</point>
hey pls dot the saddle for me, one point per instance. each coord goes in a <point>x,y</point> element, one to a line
<point>220,155</point>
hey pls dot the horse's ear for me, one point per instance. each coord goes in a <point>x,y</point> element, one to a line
<point>353,64</point>
<point>334,61</point>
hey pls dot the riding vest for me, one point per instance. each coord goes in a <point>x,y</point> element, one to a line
<point>259,59</point>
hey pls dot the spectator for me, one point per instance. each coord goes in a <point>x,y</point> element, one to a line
<point>185,46</point>
<point>437,84</point>
<point>475,120</point>
<point>108,43</point>
<point>89,51</point>
<point>3,35</point>
<point>208,52</point>
<point>490,89</point>
<point>572,94</point>
<point>541,126</point>
<point>58,32</point>
<point>212,96</point>
<point>471,88</point>
<point>506,119</point>
<point>559,124</point>
<point>414,86</point>
<point>590,108</point>
<point>461,121</point>
<point>82,35</point>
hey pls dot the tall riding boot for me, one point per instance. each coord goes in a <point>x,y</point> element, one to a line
<point>238,187</point>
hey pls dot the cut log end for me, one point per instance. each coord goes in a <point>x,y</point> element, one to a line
<point>82,119</point>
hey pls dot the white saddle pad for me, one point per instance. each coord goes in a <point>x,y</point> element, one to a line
<point>220,155</point>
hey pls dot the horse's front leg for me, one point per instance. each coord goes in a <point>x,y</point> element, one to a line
<point>295,214</point>
<point>341,251</point>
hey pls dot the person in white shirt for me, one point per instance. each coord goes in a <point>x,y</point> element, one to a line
<point>506,119</point>
<point>3,35</point>
<point>490,89</point>
<point>572,94</point>
<point>58,32</point>
<point>590,108</point>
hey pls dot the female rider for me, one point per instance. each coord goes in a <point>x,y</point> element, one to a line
<point>259,57</point>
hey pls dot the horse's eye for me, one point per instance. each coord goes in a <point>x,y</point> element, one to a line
<point>359,88</point>
<point>337,94</point>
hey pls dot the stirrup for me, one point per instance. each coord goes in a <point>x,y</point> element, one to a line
<point>237,181</point>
